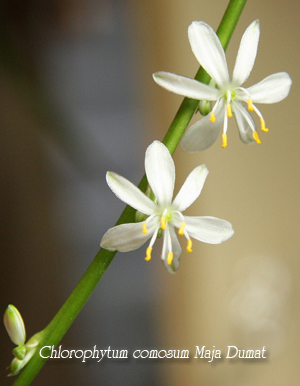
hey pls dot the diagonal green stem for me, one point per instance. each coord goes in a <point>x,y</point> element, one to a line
<point>59,325</point>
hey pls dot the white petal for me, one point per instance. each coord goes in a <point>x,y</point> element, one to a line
<point>126,237</point>
<point>243,118</point>
<point>246,54</point>
<point>209,51</point>
<point>160,170</point>
<point>176,249</point>
<point>191,188</point>
<point>272,89</point>
<point>202,134</point>
<point>208,229</point>
<point>129,193</point>
<point>187,87</point>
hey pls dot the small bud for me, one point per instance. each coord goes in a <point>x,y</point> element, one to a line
<point>14,325</point>
<point>17,365</point>
<point>139,216</point>
<point>19,352</point>
<point>205,107</point>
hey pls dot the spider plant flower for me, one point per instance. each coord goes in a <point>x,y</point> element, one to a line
<point>227,94</point>
<point>165,214</point>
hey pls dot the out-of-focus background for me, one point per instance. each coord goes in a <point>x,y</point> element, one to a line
<point>77,99</point>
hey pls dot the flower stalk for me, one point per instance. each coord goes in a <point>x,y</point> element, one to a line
<point>59,325</point>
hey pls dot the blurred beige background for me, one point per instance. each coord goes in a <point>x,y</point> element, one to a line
<point>244,292</point>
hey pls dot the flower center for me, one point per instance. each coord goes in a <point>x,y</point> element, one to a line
<point>231,96</point>
<point>165,218</point>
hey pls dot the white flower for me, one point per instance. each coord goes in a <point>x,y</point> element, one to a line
<point>164,214</point>
<point>229,94</point>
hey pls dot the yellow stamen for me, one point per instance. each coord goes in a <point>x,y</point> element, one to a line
<point>189,246</point>
<point>229,111</point>
<point>145,231</point>
<point>255,136</point>
<point>263,127</point>
<point>148,254</point>
<point>224,138</point>
<point>181,229</point>
<point>212,117</point>
<point>250,105</point>
<point>163,222</point>
<point>170,258</point>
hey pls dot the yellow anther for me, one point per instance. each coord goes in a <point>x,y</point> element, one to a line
<point>148,254</point>
<point>145,230</point>
<point>170,258</point>
<point>250,105</point>
<point>229,111</point>
<point>263,127</point>
<point>163,222</point>
<point>181,229</point>
<point>189,246</point>
<point>255,136</point>
<point>212,117</point>
<point>224,138</point>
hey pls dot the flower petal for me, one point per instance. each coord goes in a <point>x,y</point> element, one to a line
<point>202,134</point>
<point>160,170</point>
<point>127,237</point>
<point>246,55</point>
<point>129,193</point>
<point>191,188</point>
<point>209,52</point>
<point>272,89</point>
<point>209,230</point>
<point>187,87</point>
<point>176,249</point>
<point>243,118</point>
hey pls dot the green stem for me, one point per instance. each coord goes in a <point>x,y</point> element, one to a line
<point>59,325</point>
